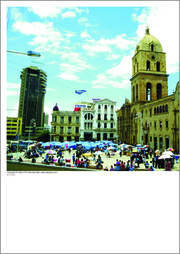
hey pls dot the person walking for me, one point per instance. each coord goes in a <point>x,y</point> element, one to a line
<point>73,158</point>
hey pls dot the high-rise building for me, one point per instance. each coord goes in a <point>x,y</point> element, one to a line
<point>31,101</point>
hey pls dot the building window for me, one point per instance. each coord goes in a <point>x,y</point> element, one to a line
<point>111,125</point>
<point>160,142</point>
<point>152,47</point>
<point>154,111</point>
<point>159,91</point>
<point>148,65</point>
<point>136,92</point>
<point>158,66</point>
<point>148,91</point>
<point>99,107</point>
<point>77,130</point>
<point>150,139</point>
<point>166,124</point>
<point>111,117</point>
<point>105,107</point>
<point>62,119</point>
<point>105,125</point>
<point>61,130</point>
<point>150,112</point>
<point>77,119</point>
<point>105,116</point>
<point>69,119</point>
<point>133,94</point>
<point>99,116</point>
<point>69,130</point>
<point>111,135</point>
<point>99,125</point>
<point>155,125</point>
<point>157,110</point>
<point>54,129</point>
<point>112,107</point>
<point>166,108</point>
<point>160,124</point>
<point>54,118</point>
<point>163,108</point>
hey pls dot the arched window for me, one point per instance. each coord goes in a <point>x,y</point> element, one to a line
<point>133,94</point>
<point>148,65</point>
<point>152,47</point>
<point>159,91</point>
<point>158,66</point>
<point>137,92</point>
<point>99,116</point>
<point>148,91</point>
<point>166,108</point>
<point>154,111</point>
<point>105,116</point>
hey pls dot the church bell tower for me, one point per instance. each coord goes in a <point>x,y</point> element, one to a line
<point>149,80</point>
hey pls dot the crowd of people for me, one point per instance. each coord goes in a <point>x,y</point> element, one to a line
<point>80,158</point>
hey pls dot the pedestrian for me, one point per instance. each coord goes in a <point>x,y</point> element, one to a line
<point>120,153</point>
<point>111,168</point>
<point>73,158</point>
<point>117,165</point>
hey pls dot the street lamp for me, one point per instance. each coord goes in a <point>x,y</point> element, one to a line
<point>29,53</point>
<point>33,121</point>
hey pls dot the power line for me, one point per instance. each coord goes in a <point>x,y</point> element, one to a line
<point>52,82</point>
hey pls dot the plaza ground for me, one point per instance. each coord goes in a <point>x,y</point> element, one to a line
<point>107,161</point>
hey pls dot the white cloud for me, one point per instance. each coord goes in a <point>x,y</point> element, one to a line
<point>91,49</point>
<point>69,77</point>
<point>163,23</point>
<point>47,37</point>
<point>51,89</point>
<point>70,34</point>
<point>12,93</point>
<point>52,62</point>
<point>113,57</point>
<point>13,86</point>
<point>104,81</point>
<point>82,20</point>
<point>84,34</point>
<point>68,14</point>
<point>13,89</point>
<point>122,69</point>
<point>46,11</point>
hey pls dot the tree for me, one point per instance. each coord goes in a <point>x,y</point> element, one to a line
<point>44,136</point>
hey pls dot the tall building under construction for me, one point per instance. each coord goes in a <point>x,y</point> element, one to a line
<point>31,100</point>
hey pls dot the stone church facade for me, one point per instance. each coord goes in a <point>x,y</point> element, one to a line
<point>152,117</point>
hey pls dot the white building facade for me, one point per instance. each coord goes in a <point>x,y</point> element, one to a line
<point>100,121</point>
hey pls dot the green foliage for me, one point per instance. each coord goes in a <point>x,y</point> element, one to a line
<point>44,136</point>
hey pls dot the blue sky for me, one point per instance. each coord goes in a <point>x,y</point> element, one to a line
<point>85,47</point>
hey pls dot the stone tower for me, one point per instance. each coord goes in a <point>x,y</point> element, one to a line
<point>149,80</point>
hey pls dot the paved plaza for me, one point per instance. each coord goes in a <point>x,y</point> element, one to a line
<point>107,161</point>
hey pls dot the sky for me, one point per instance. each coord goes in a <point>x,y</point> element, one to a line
<point>84,45</point>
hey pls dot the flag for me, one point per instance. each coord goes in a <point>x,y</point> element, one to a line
<point>80,91</point>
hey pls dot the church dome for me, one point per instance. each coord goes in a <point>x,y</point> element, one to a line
<point>56,108</point>
<point>149,43</point>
